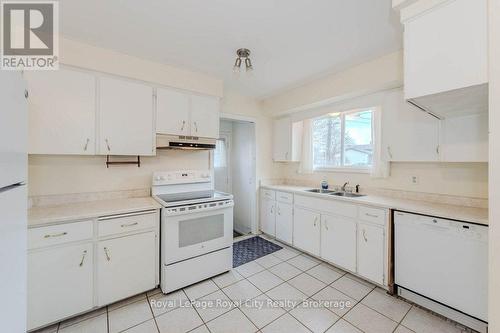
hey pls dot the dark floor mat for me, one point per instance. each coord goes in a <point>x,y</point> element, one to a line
<point>252,248</point>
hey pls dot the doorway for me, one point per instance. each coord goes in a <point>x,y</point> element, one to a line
<point>234,170</point>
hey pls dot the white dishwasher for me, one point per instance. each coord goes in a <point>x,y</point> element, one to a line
<point>444,265</point>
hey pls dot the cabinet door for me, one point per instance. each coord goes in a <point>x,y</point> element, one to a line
<point>338,241</point>
<point>60,283</point>
<point>62,111</point>
<point>442,53</point>
<point>126,118</point>
<point>284,222</point>
<point>409,135</point>
<point>268,217</point>
<point>306,230</point>
<point>205,116</point>
<point>282,132</point>
<point>371,252</point>
<point>172,112</point>
<point>465,138</point>
<point>126,266</point>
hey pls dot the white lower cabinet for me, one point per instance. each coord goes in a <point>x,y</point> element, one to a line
<point>268,216</point>
<point>371,254</point>
<point>306,230</point>
<point>125,266</point>
<point>284,222</point>
<point>60,283</point>
<point>338,241</point>
<point>65,280</point>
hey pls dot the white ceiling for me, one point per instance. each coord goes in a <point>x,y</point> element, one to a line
<point>292,41</point>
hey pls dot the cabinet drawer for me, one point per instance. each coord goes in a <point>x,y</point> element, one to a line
<point>328,206</point>
<point>58,234</point>
<point>284,197</point>
<point>268,194</point>
<point>373,215</point>
<point>111,225</point>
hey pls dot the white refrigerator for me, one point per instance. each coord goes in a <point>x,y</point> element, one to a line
<point>13,201</point>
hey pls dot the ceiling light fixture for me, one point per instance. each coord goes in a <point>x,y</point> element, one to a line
<point>242,54</point>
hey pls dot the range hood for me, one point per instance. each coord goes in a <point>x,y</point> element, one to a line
<point>183,142</point>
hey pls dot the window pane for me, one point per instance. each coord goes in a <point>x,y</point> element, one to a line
<point>220,154</point>
<point>358,144</point>
<point>327,141</point>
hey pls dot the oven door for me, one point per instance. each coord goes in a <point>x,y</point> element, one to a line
<point>196,233</point>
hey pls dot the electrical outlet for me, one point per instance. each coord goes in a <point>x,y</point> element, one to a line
<point>414,180</point>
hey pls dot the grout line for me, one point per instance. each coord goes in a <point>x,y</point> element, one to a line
<point>151,308</point>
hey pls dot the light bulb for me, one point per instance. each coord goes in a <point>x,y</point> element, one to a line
<point>237,65</point>
<point>248,64</point>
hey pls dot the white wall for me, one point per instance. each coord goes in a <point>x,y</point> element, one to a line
<point>494,181</point>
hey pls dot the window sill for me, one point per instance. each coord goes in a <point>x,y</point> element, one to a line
<point>344,170</point>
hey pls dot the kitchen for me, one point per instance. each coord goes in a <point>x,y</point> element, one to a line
<point>160,188</point>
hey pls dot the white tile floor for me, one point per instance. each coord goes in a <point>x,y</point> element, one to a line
<point>286,291</point>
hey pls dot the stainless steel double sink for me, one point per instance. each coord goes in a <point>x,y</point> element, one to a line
<point>336,193</point>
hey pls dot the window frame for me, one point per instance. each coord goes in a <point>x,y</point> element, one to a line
<point>343,168</point>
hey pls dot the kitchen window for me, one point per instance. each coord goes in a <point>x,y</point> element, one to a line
<point>343,140</point>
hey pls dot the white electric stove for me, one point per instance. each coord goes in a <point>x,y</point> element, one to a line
<point>196,227</point>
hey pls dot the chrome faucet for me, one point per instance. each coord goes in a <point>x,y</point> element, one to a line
<point>343,186</point>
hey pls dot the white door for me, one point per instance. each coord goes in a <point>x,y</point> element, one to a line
<point>126,266</point>
<point>268,216</point>
<point>62,112</point>
<point>338,241</point>
<point>172,112</point>
<point>13,214</point>
<point>408,133</point>
<point>282,132</point>
<point>205,116</point>
<point>13,129</point>
<point>60,283</point>
<point>371,252</point>
<point>126,118</point>
<point>284,222</point>
<point>306,230</point>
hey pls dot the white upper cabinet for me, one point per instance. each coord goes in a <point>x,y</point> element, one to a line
<point>172,112</point>
<point>126,118</point>
<point>180,113</point>
<point>205,116</point>
<point>408,135</point>
<point>62,109</point>
<point>446,49</point>
<point>465,139</point>
<point>287,140</point>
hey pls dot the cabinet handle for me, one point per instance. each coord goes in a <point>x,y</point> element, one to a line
<point>272,209</point>
<point>437,149</point>
<point>26,93</point>
<point>371,215</point>
<point>107,254</point>
<point>279,211</point>
<point>389,151</point>
<point>183,123</point>
<point>364,235</point>
<point>86,144</point>
<point>326,224</point>
<point>107,144</point>
<point>129,225</point>
<point>315,220</point>
<point>196,127</point>
<point>83,258</point>
<point>55,235</point>
<point>286,156</point>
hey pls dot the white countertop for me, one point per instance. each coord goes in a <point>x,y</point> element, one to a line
<point>467,214</point>
<point>48,215</point>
